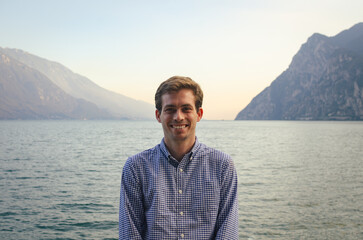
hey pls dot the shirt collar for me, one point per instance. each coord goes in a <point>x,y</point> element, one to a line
<point>191,154</point>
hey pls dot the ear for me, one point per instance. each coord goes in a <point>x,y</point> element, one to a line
<point>157,115</point>
<point>200,114</point>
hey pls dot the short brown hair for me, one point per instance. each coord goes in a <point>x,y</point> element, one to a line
<point>175,84</point>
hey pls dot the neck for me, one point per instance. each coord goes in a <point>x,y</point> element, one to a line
<point>179,149</point>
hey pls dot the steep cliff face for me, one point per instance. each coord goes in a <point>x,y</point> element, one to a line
<point>323,82</point>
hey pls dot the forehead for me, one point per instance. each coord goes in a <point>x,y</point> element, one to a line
<point>181,97</point>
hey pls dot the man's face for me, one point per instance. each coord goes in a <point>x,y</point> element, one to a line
<point>179,116</point>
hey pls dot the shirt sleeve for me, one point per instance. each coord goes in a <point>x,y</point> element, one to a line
<point>227,221</point>
<point>131,215</point>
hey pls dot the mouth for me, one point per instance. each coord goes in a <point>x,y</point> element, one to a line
<point>179,126</point>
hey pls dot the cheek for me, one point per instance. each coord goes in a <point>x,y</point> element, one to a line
<point>193,119</point>
<point>165,119</point>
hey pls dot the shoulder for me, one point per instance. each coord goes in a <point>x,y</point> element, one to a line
<point>215,159</point>
<point>215,155</point>
<point>144,155</point>
<point>217,162</point>
<point>142,159</point>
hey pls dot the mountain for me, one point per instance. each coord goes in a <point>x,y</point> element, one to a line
<point>323,82</point>
<point>116,105</point>
<point>27,94</point>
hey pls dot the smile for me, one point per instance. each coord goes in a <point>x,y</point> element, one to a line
<point>178,126</point>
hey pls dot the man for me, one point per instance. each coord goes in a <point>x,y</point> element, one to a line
<point>180,189</point>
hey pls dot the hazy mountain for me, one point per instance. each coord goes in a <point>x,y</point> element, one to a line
<point>27,94</point>
<point>80,87</point>
<point>323,82</point>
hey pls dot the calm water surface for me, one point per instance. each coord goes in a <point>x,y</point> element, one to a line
<point>297,180</point>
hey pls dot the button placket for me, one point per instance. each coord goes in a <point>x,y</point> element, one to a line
<point>180,200</point>
<point>180,183</point>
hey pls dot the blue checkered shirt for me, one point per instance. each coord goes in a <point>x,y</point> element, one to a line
<point>195,198</point>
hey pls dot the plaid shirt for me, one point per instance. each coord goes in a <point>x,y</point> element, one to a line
<point>195,198</point>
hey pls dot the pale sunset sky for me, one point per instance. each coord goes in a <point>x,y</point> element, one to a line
<point>232,48</point>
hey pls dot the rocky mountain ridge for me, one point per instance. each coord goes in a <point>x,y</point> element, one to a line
<point>323,82</point>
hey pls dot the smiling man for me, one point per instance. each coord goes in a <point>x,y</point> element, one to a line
<point>180,189</point>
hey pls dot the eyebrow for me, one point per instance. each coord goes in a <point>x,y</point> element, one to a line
<point>172,105</point>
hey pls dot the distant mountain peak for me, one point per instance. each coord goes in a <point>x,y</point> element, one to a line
<point>21,71</point>
<point>317,37</point>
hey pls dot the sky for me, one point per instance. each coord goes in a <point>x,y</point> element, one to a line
<point>233,48</point>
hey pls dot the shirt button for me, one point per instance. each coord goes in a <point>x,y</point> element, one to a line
<point>191,158</point>
<point>181,170</point>
<point>181,213</point>
<point>182,235</point>
<point>180,191</point>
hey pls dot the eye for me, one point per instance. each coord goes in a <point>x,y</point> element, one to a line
<point>169,110</point>
<point>187,109</point>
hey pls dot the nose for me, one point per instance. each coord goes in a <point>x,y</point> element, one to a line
<point>179,115</point>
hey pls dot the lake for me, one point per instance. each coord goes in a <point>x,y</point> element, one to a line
<point>297,179</point>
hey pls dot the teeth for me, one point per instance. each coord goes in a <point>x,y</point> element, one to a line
<point>179,127</point>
